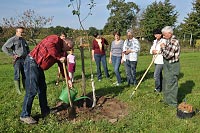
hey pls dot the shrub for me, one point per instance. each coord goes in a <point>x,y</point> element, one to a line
<point>197,45</point>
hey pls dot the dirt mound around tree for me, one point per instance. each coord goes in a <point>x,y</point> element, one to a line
<point>107,108</point>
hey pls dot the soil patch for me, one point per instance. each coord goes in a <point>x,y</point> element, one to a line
<point>107,108</point>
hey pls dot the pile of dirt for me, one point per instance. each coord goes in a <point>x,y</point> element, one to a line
<point>106,108</point>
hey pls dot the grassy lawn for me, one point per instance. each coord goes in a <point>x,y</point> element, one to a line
<point>146,113</point>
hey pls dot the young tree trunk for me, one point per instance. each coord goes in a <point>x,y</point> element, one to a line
<point>83,68</point>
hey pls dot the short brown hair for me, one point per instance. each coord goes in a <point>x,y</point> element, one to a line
<point>116,33</point>
<point>19,27</point>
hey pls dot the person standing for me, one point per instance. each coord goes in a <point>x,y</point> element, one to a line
<point>99,45</point>
<point>171,52</point>
<point>158,59</point>
<point>71,64</point>
<point>116,56</point>
<point>49,51</point>
<point>17,47</point>
<point>130,49</point>
<point>62,36</point>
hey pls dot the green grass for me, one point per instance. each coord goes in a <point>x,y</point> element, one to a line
<point>146,113</point>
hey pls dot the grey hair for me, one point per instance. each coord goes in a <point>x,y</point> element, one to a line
<point>167,29</point>
<point>130,30</point>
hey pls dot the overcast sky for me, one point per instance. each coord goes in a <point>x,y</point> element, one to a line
<point>63,15</point>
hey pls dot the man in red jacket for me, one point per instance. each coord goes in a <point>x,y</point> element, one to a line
<point>49,51</point>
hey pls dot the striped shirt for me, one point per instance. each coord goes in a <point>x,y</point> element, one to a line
<point>171,51</point>
<point>117,49</point>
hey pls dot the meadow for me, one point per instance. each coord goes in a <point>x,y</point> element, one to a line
<point>145,111</point>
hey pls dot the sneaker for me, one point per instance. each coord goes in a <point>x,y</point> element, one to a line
<point>115,83</point>
<point>156,90</point>
<point>99,80</point>
<point>28,120</point>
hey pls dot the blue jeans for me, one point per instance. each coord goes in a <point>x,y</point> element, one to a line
<point>19,68</point>
<point>131,71</point>
<point>101,59</point>
<point>158,76</point>
<point>116,61</point>
<point>35,84</point>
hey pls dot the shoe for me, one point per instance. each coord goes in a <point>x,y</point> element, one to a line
<point>44,114</point>
<point>28,120</point>
<point>155,90</point>
<point>115,83</point>
<point>99,80</point>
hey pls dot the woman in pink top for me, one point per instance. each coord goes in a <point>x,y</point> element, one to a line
<point>71,64</point>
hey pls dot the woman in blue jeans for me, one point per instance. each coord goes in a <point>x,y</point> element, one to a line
<point>155,51</point>
<point>99,54</point>
<point>116,53</point>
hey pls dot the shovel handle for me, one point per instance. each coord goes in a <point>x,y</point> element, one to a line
<point>65,73</point>
<point>144,75</point>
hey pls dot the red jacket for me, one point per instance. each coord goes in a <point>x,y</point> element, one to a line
<point>48,52</point>
<point>96,48</point>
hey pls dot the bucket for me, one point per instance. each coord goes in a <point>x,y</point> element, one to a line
<point>64,95</point>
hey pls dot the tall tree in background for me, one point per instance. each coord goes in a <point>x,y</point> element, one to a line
<point>31,21</point>
<point>157,15</point>
<point>92,30</point>
<point>122,16</point>
<point>191,24</point>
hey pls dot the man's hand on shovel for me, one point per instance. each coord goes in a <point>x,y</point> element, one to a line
<point>62,59</point>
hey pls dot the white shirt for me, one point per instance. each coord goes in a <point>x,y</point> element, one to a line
<point>156,46</point>
<point>133,45</point>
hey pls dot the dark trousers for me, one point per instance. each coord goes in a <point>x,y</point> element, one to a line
<point>131,71</point>
<point>35,84</point>
<point>158,76</point>
<point>19,68</point>
<point>101,59</point>
<point>170,82</point>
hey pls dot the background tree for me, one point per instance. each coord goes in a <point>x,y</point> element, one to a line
<point>58,29</point>
<point>157,15</point>
<point>31,21</point>
<point>191,24</point>
<point>122,16</point>
<point>92,30</point>
<point>1,29</point>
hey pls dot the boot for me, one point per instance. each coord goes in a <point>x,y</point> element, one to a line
<point>17,86</point>
<point>23,83</point>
